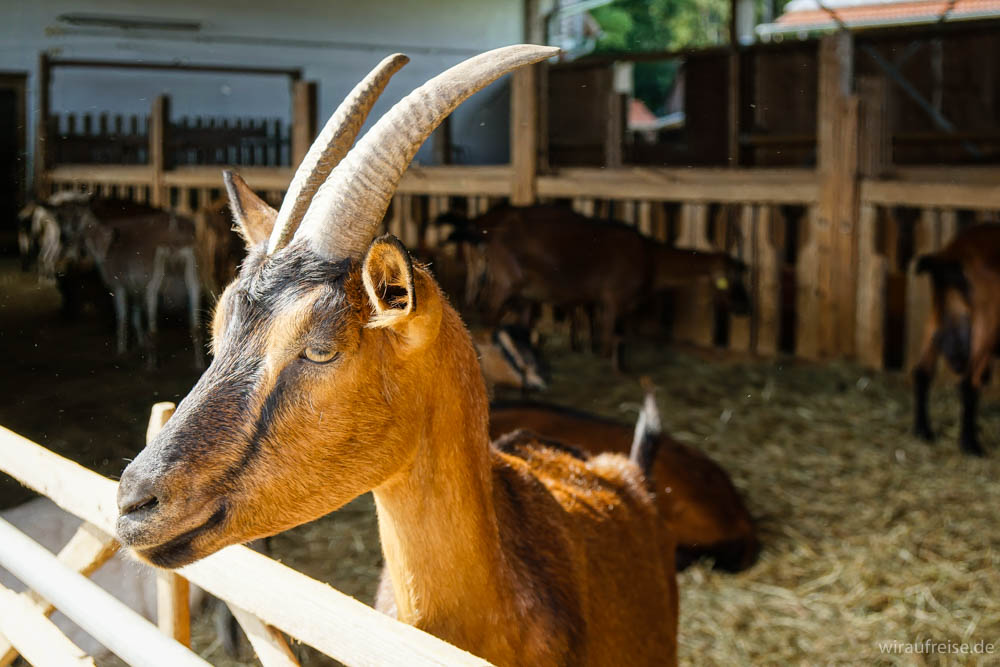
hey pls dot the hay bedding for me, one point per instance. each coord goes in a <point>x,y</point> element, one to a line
<point>869,534</point>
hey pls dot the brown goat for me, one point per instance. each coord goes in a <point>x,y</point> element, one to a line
<point>141,254</point>
<point>508,359</point>
<point>964,324</point>
<point>218,247</point>
<point>340,368</point>
<point>697,501</point>
<point>551,254</point>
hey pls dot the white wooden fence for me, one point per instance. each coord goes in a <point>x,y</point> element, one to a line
<point>266,597</point>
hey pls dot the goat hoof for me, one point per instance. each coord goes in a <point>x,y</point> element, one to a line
<point>924,433</point>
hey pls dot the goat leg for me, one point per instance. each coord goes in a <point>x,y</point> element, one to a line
<point>121,319</point>
<point>921,390</point>
<point>969,439</point>
<point>923,375</point>
<point>984,337</point>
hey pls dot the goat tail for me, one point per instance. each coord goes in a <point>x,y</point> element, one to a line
<point>648,429</point>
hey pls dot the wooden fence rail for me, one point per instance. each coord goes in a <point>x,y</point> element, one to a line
<point>266,596</point>
<point>109,621</point>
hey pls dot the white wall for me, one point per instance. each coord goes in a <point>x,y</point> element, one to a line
<point>334,42</point>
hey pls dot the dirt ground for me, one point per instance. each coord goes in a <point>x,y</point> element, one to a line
<point>869,534</point>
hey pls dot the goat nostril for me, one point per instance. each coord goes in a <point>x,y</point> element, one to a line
<point>147,503</point>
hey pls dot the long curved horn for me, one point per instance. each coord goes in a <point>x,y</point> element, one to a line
<point>349,206</point>
<point>329,149</point>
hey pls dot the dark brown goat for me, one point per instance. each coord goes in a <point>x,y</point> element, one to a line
<point>550,254</point>
<point>219,248</point>
<point>964,324</point>
<point>699,503</point>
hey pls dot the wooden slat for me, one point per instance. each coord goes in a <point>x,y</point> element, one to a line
<point>318,615</point>
<point>524,134</point>
<point>741,327</point>
<point>269,644</point>
<point>113,173</point>
<point>159,121</point>
<point>875,134</point>
<point>739,186</point>
<point>926,238</point>
<point>304,128</point>
<point>733,107</point>
<point>767,292</point>
<point>173,610</point>
<point>835,232</point>
<point>86,552</point>
<point>985,175</point>
<point>872,276</point>
<point>304,608</point>
<point>34,636</point>
<point>44,143</point>
<point>457,180</point>
<point>811,291</point>
<point>108,620</point>
<point>942,194</point>
<point>258,178</point>
<point>694,312</point>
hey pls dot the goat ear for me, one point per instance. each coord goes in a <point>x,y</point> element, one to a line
<point>254,216</point>
<point>393,286</point>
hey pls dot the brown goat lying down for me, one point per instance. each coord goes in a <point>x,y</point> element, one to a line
<point>703,509</point>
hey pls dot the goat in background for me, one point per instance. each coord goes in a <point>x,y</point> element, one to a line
<point>964,324</point>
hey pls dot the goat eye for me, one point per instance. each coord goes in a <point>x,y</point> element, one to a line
<point>721,283</point>
<point>318,356</point>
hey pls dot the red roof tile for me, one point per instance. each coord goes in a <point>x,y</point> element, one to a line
<point>902,12</point>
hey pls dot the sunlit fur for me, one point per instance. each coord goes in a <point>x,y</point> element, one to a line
<point>477,541</point>
<point>697,501</point>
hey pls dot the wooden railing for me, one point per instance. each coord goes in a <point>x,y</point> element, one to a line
<point>817,281</point>
<point>266,598</point>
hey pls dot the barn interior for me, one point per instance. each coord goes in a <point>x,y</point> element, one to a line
<point>825,148</point>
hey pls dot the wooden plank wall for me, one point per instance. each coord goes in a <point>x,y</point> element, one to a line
<point>842,264</point>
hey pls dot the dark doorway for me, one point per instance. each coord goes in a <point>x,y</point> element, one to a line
<point>13,157</point>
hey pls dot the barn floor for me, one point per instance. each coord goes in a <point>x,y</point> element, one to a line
<point>869,534</point>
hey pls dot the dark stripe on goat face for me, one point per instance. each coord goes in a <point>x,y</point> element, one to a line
<point>268,289</point>
<point>272,406</point>
<point>178,550</point>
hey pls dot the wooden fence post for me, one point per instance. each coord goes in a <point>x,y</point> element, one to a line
<point>159,120</point>
<point>304,94</point>
<point>694,312</point>
<point>43,145</point>
<point>874,158</point>
<point>766,297</point>
<point>733,107</point>
<point>742,328</point>
<point>829,329</point>
<point>524,135</point>
<point>873,271</point>
<point>173,611</point>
